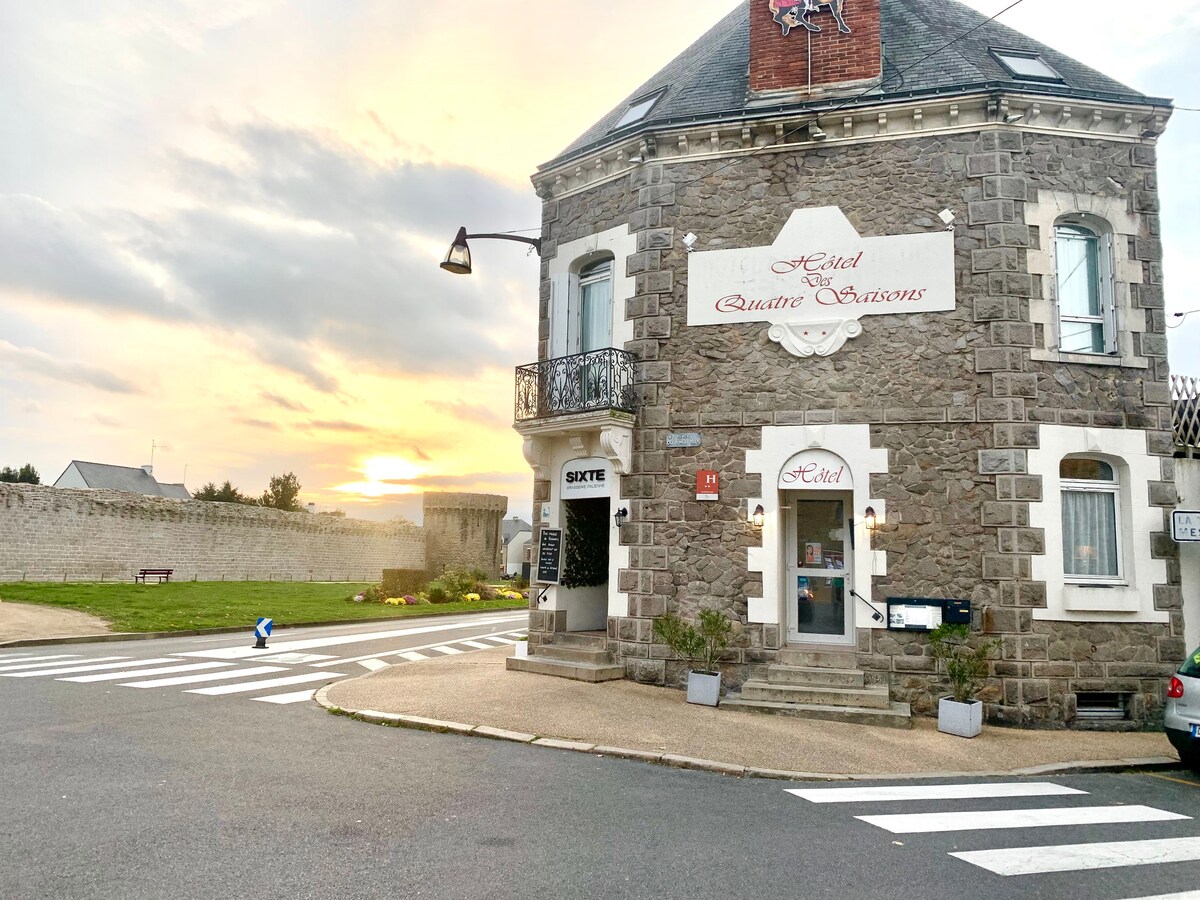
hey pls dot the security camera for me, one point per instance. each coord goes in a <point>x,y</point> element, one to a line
<point>688,240</point>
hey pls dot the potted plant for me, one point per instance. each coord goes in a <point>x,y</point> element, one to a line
<point>702,648</point>
<point>966,668</point>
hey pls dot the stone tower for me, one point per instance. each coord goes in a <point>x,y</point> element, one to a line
<point>464,531</point>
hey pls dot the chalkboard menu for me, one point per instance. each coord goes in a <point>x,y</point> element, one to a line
<point>549,561</point>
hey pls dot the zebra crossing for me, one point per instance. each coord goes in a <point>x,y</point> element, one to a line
<point>271,677</point>
<point>873,805</point>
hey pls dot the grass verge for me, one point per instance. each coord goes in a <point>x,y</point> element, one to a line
<point>186,605</point>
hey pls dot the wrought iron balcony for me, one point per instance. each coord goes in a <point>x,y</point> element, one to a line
<point>586,382</point>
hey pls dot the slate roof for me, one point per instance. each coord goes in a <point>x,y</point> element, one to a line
<point>101,476</point>
<point>513,527</point>
<point>710,80</point>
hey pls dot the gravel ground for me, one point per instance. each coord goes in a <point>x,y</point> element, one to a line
<point>25,621</point>
<point>477,690</point>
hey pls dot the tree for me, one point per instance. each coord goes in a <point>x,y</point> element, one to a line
<point>226,493</point>
<point>284,493</point>
<point>27,474</point>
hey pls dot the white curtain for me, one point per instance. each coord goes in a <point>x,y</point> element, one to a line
<point>1090,533</point>
<point>596,315</point>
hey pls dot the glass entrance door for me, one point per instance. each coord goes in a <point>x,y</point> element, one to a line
<point>818,568</point>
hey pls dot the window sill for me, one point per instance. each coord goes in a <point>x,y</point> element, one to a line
<point>1089,359</point>
<point>1101,597</point>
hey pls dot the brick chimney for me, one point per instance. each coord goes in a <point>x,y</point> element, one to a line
<point>780,62</point>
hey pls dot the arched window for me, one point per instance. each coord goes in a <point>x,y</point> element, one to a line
<point>1091,516</point>
<point>1083,269</point>
<point>595,306</point>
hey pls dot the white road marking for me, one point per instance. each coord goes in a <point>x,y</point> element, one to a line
<point>373,665</point>
<point>341,640</point>
<point>28,657</point>
<point>931,792</point>
<point>297,658</point>
<point>479,646</point>
<point>116,676</point>
<point>269,683</point>
<point>76,668</point>
<point>1080,857</point>
<point>297,697</point>
<point>419,647</point>
<point>61,662</point>
<point>210,676</point>
<point>449,651</point>
<point>412,656</point>
<point>502,640</point>
<point>1185,895</point>
<point>927,823</point>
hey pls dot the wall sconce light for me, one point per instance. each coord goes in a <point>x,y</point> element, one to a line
<point>870,518</point>
<point>620,516</point>
<point>758,516</point>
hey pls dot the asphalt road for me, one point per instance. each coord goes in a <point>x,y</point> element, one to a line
<point>113,792</point>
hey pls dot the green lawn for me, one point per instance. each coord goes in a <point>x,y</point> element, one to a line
<point>180,606</point>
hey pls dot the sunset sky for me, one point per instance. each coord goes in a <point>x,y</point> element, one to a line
<point>220,222</point>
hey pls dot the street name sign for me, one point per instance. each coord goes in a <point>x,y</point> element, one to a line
<point>1185,525</point>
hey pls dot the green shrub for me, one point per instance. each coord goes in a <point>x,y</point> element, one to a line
<point>701,647</point>
<point>966,667</point>
<point>398,582</point>
<point>452,586</point>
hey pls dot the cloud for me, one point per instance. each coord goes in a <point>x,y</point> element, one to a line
<point>259,423</point>
<point>327,425</point>
<point>39,363</point>
<point>283,402</point>
<point>70,257</point>
<point>471,412</point>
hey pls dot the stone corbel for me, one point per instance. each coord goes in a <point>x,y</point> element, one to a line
<point>616,444</point>
<point>815,338</point>
<point>534,449</point>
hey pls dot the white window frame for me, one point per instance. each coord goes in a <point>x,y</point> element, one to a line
<point>1082,227</point>
<point>1096,486</point>
<point>1009,59</point>
<point>598,271</point>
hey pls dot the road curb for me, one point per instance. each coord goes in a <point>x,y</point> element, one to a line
<point>241,629</point>
<point>735,770</point>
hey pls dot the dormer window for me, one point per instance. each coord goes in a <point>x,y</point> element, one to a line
<point>1024,65</point>
<point>639,109</point>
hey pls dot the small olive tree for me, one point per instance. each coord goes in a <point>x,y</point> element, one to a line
<point>701,647</point>
<point>965,666</point>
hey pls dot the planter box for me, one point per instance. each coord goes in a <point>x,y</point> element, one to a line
<point>703,689</point>
<point>963,719</point>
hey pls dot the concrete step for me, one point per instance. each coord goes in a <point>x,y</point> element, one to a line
<point>818,658</point>
<point>572,654</point>
<point>896,715</point>
<point>812,675</point>
<point>558,668</point>
<point>584,639</point>
<point>874,697</point>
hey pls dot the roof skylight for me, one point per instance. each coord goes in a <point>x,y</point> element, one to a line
<point>1024,64</point>
<point>638,110</point>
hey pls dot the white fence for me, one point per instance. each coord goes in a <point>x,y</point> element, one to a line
<point>1185,406</point>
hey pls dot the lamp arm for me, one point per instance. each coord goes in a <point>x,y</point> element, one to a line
<point>535,243</point>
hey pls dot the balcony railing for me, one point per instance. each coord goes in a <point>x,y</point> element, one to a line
<point>1185,411</point>
<point>586,382</point>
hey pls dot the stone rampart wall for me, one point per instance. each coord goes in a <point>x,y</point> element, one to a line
<point>56,534</point>
<point>465,531</point>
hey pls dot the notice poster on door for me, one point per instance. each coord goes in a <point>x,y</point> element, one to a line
<point>813,555</point>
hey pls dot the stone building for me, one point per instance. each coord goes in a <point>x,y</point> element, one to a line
<point>846,316</point>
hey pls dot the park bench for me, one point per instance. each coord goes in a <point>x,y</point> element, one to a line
<point>161,574</point>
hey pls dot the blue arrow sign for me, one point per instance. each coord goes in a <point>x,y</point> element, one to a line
<point>263,628</point>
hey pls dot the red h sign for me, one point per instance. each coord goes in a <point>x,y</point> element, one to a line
<point>708,485</point>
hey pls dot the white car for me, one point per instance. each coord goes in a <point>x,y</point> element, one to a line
<point>1181,716</point>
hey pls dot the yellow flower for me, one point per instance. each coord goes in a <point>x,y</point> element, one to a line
<point>470,597</point>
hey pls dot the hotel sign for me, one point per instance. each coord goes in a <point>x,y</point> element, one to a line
<point>816,470</point>
<point>819,278</point>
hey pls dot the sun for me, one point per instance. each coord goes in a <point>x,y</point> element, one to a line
<point>385,476</point>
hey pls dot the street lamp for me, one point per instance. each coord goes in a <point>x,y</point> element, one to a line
<point>458,257</point>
